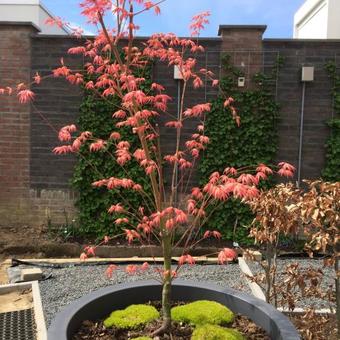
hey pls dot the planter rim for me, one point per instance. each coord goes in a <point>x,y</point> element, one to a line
<point>59,327</point>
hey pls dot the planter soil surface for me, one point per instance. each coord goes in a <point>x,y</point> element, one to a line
<point>95,330</point>
<point>322,327</point>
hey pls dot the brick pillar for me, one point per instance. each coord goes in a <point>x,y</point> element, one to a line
<point>244,45</point>
<point>15,67</point>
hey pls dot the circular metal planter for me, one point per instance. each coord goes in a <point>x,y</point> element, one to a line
<point>102,302</point>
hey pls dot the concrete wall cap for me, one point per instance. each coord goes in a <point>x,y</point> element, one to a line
<point>20,23</point>
<point>293,40</point>
<point>137,38</point>
<point>260,28</point>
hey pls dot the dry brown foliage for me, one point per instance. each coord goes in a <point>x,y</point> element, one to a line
<point>320,211</point>
<point>304,284</point>
<point>298,284</point>
<point>276,215</point>
<point>285,210</point>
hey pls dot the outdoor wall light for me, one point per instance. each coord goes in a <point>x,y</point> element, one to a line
<point>241,81</point>
<point>307,73</point>
<point>177,73</point>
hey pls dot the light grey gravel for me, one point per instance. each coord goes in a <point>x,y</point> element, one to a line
<point>327,280</point>
<point>69,284</point>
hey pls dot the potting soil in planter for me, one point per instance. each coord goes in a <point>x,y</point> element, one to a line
<point>187,324</point>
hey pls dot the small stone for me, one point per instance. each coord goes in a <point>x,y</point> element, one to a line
<point>31,274</point>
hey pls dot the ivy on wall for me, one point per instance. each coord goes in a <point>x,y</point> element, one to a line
<point>93,203</point>
<point>254,142</point>
<point>332,168</point>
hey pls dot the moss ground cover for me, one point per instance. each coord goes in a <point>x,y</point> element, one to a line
<point>132,317</point>
<point>203,312</point>
<point>214,332</point>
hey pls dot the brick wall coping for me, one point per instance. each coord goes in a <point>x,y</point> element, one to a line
<point>291,40</point>
<point>20,23</point>
<point>49,36</point>
<point>261,28</point>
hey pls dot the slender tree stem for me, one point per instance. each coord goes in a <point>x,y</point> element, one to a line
<point>166,289</point>
<point>337,292</point>
<point>178,141</point>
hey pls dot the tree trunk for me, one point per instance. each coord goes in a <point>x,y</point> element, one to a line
<point>274,267</point>
<point>337,292</point>
<point>166,291</point>
<point>268,273</point>
<point>166,303</point>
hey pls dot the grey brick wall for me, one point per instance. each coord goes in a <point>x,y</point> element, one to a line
<point>164,75</point>
<point>318,101</point>
<point>58,102</point>
<point>56,105</point>
<point>41,188</point>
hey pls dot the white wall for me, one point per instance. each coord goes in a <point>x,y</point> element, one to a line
<point>28,11</point>
<point>314,23</point>
<point>333,19</point>
<point>318,19</point>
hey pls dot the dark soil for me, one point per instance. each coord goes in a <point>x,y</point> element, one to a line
<point>291,246</point>
<point>14,238</point>
<point>61,242</point>
<point>319,327</point>
<point>95,330</point>
<point>91,330</point>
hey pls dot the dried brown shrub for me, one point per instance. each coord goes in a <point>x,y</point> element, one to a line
<point>320,211</point>
<point>276,215</point>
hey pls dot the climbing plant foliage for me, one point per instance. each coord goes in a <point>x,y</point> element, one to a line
<point>93,203</point>
<point>254,142</point>
<point>332,168</point>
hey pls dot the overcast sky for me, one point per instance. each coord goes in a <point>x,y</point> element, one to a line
<point>176,14</point>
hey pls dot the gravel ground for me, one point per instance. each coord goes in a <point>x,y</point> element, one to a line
<point>328,278</point>
<point>68,284</point>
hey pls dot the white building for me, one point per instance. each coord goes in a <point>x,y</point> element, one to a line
<point>29,11</point>
<point>318,19</point>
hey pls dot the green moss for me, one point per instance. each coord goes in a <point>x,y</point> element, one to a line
<point>132,317</point>
<point>142,338</point>
<point>202,312</point>
<point>213,332</point>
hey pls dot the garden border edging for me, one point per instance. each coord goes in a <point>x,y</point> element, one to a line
<point>39,318</point>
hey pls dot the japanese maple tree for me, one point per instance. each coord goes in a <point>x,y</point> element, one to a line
<point>112,57</point>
